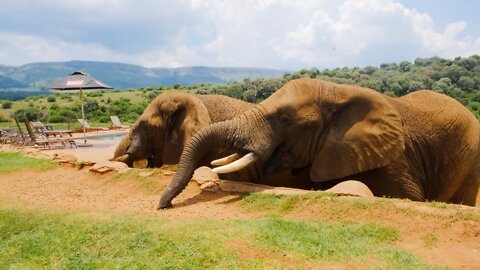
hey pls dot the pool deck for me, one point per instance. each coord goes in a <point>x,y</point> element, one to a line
<point>101,149</point>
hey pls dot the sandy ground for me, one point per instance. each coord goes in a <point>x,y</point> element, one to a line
<point>456,239</point>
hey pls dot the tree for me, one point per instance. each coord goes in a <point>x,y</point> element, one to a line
<point>454,72</point>
<point>442,85</point>
<point>466,83</point>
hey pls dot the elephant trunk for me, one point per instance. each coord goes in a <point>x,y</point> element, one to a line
<point>223,135</point>
<point>192,155</point>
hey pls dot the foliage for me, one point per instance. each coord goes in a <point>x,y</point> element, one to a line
<point>30,113</point>
<point>7,104</point>
<point>458,78</point>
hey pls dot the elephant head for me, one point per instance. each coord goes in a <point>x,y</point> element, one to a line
<point>333,130</point>
<point>161,132</point>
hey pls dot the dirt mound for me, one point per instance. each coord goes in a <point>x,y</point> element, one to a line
<point>443,235</point>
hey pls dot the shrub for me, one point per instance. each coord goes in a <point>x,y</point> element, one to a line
<point>7,104</point>
<point>51,99</point>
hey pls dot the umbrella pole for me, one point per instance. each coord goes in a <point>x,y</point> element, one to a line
<point>83,117</point>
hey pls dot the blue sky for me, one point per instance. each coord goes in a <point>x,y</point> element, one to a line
<point>279,34</point>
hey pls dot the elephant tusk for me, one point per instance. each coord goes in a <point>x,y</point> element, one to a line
<point>237,164</point>
<point>225,160</point>
<point>123,158</point>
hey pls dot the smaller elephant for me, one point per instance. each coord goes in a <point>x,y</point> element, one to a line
<point>169,121</point>
<point>422,146</point>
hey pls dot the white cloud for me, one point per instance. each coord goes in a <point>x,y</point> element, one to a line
<point>18,49</point>
<point>269,33</point>
<point>367,29</point>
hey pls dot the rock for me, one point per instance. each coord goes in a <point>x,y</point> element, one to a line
<point>167,173</point>
<point>65,158</point>
<point>351,188</point>
<point>209,186</point>
<point>146,174</point>
<point>108,166</point>
<point>140,164</point>
<point>204,174</point>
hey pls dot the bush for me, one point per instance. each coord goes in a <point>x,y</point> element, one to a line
<point>51,99</point>
<point>7,104</point>
<point>32,114</point>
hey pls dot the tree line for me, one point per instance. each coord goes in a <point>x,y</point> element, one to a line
<point>458,78</point>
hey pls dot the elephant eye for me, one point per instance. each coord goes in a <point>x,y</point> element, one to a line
<point>285,119</point>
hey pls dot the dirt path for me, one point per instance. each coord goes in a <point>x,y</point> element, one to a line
<point>440,236</point>
<point>70,189</point>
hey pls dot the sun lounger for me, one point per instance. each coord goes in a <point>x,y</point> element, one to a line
<point>8,136</point>
<point>39,139</point>
<point>48,130</point>
<point>116,123</point>
<point>20,139</point>
<point>87,126</point>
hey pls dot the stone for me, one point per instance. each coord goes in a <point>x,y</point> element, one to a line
<point>204,174</point>
<point>351,188</point>
<point>108,166</point>
<point>209,186</point>
<point>140,164</point>
<point>146,174</point>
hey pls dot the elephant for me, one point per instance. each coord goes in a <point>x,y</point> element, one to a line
<point>422,146</point>
<point>168,122</point>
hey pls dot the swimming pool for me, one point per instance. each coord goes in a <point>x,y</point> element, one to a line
<point>108,137</point>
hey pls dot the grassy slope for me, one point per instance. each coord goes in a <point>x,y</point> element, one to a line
<point>10,162</point>
<point>45,239</point>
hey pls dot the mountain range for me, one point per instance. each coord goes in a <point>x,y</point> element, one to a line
<point>32,78</point>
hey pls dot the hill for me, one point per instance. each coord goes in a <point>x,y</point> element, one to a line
<point>31,78</point>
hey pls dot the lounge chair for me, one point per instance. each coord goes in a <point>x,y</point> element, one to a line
<point>116,123</point>
<point>20,139</point>
<point>8,136</point>
<point>39,139</point>
<point>48,130</point>
<point>87,126</point>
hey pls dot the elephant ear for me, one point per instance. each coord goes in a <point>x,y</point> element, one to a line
<point>366,133</point>
<point>175,112</point>
<point>178,116</point>
<point>196,117</point>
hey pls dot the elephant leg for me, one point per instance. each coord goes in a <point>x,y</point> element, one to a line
<point>468,191</point>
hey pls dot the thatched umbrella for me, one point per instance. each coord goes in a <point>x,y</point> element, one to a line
<point>79,81</point>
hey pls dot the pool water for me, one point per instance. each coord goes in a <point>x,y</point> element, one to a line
<point>108,137</point>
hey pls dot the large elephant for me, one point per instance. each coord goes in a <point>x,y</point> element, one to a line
<point>422,146</point>
<point>167,124</point>
<point>170,121</point>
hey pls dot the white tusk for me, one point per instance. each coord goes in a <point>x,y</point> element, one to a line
<point>225,160</point>
<point>237,164</point>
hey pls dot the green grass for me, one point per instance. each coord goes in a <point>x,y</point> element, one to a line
<point>13,161</point>
<point>39,239</point>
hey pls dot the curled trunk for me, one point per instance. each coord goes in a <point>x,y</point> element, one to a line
<point>192,155</point>
<point>233,135</point>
